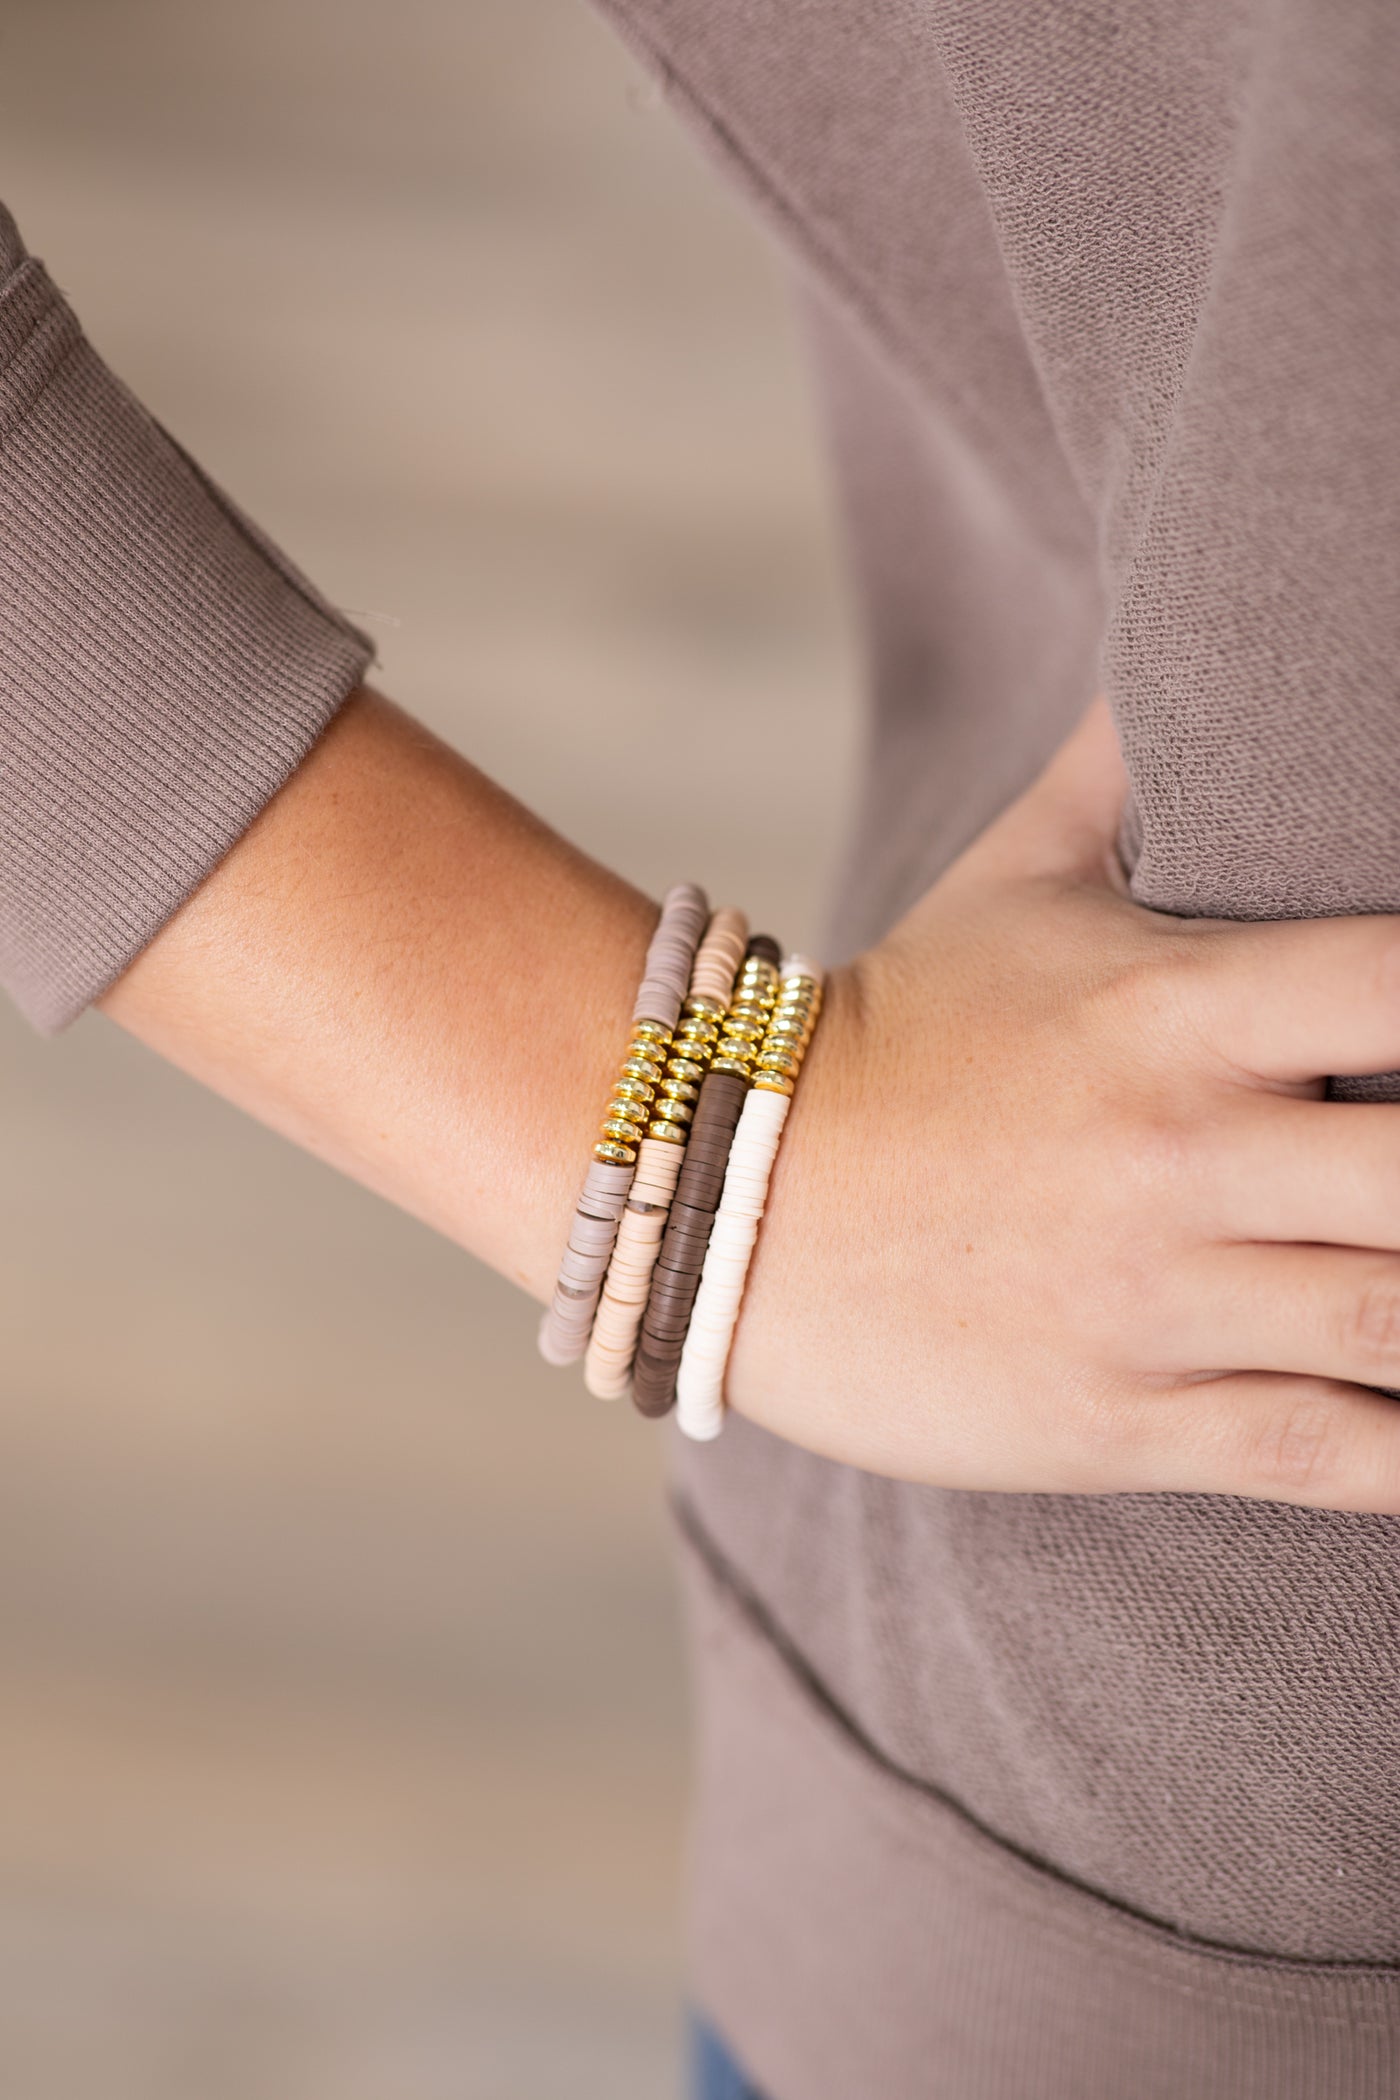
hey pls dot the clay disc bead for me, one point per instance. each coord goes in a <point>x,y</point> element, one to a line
<point>568,1320</point>
<point>676,1277</point>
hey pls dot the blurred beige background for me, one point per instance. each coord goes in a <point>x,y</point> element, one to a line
<point>341,1704</point>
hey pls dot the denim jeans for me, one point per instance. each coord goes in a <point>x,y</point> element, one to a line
<point>714,2075</point>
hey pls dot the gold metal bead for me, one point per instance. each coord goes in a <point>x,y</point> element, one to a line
<point>623,1131</point>
<point>699,1028</point>
<point>651,1031</point>
<point>614,1154</point>
<point>687,1068</point>
<point>678,1090</point>
<point>618,1111</point>
<point>702,1003</point>
<point>674,1111</point>
<point>739,1065</point>
<point>747,1031</point>
<point>634,1090</point>
<point>772,1083</point>
<point>642,1068</point>
<point>780,1061</point>
<point>669,1133</point>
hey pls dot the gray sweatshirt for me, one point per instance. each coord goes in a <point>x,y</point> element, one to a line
<point>998,1796</point>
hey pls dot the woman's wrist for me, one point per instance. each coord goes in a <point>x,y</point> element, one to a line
<point>405,971</point>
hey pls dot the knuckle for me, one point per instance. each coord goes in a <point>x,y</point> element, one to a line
<point>1163,1152</point>
<point>1108,1436</point>
<point>1386,966</point>
<point>1373,1323</point>
<point>1142,1166</point>
<point>1300,1449</point>
<point>1157,995</point>
<point>1132,1308</point>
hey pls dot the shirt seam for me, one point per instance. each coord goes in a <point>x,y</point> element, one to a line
<point>1282,1971</point>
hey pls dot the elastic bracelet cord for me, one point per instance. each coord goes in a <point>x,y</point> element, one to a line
<point>676,1276</point>
<point>563,1333</point>
<point>709,1337</point>
<point>607,1367</point>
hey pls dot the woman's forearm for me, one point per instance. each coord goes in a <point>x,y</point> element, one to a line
<point>1061,1207</point>
<point>405,971</point>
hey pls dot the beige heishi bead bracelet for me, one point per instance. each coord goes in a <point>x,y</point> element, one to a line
<point>564,1329</point>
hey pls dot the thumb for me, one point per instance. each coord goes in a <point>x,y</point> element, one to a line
<point>1067,822</point>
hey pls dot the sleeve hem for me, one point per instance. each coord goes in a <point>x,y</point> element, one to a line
<point>163,666</point>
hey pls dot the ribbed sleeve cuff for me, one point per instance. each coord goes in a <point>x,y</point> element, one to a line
<point>163,668</point>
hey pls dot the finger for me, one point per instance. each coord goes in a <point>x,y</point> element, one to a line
<point>1292,1000</point>
<point>1325,1312</point>
<point>1067,823</point>
<point>1305,1440</point>
<point>1284,1169</point>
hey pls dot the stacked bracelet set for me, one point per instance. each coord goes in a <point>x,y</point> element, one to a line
<point>649,1288</point>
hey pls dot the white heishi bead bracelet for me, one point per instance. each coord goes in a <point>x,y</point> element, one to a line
<point>700,1380</point>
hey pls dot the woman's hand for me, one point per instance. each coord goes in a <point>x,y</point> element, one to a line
<point>1060,1206</point>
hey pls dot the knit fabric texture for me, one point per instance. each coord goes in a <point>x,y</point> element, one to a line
<point>162,666</point>
<point>1105,296</point>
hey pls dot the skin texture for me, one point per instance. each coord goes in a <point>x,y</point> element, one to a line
<point>1059,1206</point>
<point>403,970</point>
